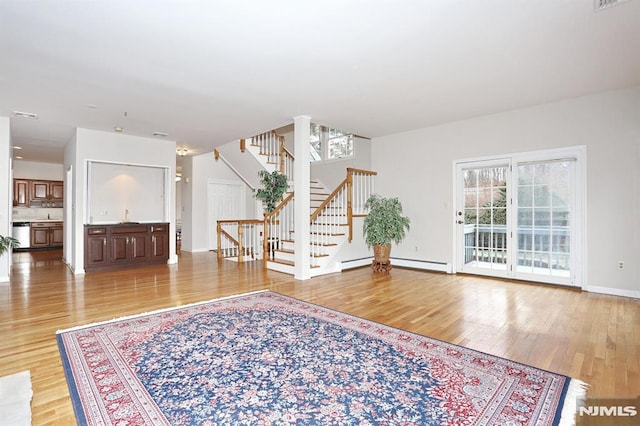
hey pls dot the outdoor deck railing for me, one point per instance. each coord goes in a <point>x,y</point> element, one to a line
<point>543,247</point>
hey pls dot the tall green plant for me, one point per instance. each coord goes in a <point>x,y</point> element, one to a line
<point>6,243</point>
<point>274,185</point>
<point>384,223</point>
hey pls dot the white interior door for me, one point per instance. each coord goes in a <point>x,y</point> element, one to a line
<point>225,200</point>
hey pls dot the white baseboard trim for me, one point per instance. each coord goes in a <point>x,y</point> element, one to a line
<point>407,263</point>
<point>355,263</point>
<point>635,294</point>
<point>422,264</point>
<point>200,250</point>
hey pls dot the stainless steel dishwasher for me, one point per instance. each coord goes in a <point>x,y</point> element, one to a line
<point>22,233</point>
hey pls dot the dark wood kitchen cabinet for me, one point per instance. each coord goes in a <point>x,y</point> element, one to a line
<point>46,234</point>
<point>20,193</point>
<point>95,247</point>
<point>125,245</point>
<point>46,190</point>
<point>38,193</point>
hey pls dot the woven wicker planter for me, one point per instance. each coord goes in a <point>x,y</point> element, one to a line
<point>381,253</point>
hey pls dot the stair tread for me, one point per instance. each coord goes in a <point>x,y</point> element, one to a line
<point>331,234</point>
<point>323,245</point>
<point>287,251</point>
<point>288,263</point>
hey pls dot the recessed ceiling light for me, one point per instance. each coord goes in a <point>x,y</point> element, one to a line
<point>17,147</point>
<point>163,134</point>
<point>118,129</point>
<point>29,115</point>
<point>17,157</point>
<point>182,152</point>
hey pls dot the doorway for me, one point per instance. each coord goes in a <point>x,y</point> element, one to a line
<point>522,216</point>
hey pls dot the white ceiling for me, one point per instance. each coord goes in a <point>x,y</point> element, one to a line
<point>209,72</point>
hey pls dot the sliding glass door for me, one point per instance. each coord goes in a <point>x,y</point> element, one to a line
<point>483,219</point>
<point>521,217</point>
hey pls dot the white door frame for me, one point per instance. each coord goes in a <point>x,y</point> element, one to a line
<point>578,223</point>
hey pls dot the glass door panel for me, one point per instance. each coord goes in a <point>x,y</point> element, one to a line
<point>522,216</point>
<point>544,215</point>
<point>484,218</point>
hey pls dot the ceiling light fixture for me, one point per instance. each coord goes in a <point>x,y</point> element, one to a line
<point>163,134</point>
<point>118,129</point>
<point>17,147</point>
<point>17,157</point>
<point>178,177</point>
<point>29,115</point>
<point>182,152</point>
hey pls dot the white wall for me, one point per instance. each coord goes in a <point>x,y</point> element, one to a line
<point>417,166</point>
<point>332,172</point>
<point>198,170</point>
<point>36,170</point>
<point>6,186</point>
<point>126,193</point>
<point>117,148</point>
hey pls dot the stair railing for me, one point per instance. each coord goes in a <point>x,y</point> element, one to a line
<point>239,238</point>
<point>271,145</point>
<point>278,227</point>
<point>341,206</point>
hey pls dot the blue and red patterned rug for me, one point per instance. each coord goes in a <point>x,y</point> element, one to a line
<point>264,358</point>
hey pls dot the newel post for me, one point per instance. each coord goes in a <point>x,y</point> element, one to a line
<point>265,242</point>
<point>219,238</point>
<point>350,203</point>
<point>240,246</point>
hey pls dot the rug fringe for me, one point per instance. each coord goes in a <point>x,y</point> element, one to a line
<point>172,308</point>
<point>577,391</point>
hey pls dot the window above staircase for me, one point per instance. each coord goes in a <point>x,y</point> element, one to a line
<point>328,143</point>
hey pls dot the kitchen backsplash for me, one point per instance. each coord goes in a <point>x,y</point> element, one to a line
<point>30,213</point>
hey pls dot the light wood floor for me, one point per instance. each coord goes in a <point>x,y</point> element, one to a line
<point>593,337</point>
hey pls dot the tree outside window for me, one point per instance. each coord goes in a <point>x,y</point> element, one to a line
<point>328,143</point>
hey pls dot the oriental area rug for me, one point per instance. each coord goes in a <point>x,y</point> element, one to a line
<point>264,358</point>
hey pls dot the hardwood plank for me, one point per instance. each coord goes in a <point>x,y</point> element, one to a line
<point>588,336</point>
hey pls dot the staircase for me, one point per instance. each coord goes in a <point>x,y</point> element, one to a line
<point>327,235</point>
<point>331,216</point>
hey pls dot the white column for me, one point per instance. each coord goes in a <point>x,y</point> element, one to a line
<point>5,194</point>
<point>301,186</point>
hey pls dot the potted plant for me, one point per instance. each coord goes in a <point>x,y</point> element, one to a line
<point>274,185</point>
<point>6,243</point>
<point>384,224</point>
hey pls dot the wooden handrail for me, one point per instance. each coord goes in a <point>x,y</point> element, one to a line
<point>348,182</point>
<point>266,230</point>
<point>240,224</point>
<point>242,221</point>
<point>352,170</point>
<point>327,200</point>
<point>288,153</point>
<point>280,206</point>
